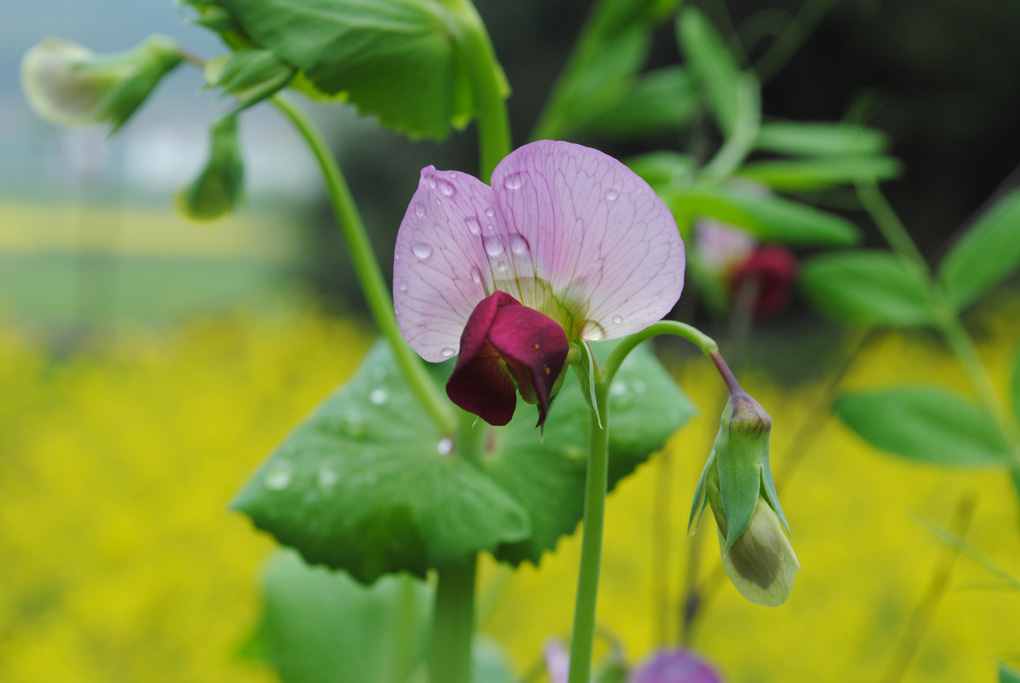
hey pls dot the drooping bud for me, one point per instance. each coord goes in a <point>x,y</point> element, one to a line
<point>217,189</point>
<point>69,85</point>
<point>737,483</point>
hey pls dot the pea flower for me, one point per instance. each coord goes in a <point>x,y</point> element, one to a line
<point>567,243</point>
<point>675,666</point>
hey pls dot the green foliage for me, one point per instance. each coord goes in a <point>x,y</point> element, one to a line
<point>820,172</point>
<point>986,254</point>
<point>768,218</point>
<point>926,424</point>
<point>1007,675</point>
<point>369,485</point>
<point>1015,385</point>
<point>820,139</point>
<point>249,75</point>
<point>868,287</point>
<point>344,48</point>
<point>713,65</point>
<point>660,101</point>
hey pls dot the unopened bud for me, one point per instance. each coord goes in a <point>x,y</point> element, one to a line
<point>217,189</point>
<point>69,85</point>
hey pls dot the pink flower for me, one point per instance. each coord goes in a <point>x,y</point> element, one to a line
<point>675,666</point>
<point>567,243</point>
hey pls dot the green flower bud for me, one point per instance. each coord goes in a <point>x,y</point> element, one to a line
<point>737,483</point>
<point>217,189</point>
<point>69,85</point>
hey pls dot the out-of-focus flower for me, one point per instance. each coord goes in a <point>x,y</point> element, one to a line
<point>737,484</point>
<point>675,666</point>
<point>770,270</point>
<point>70,85</point>
<point>557,660</point>
<point>217,189</point>
<point>567,243</point>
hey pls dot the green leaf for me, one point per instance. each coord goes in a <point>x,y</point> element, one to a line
<point>820,139</point>
<point>768,218</point>
<point>1015,385</point>
<point>926,424</point>
<point>398,60</point>
<point>713,65</point>
<point>547,476</point>
<point>664,170</point>
<point>323,627</point>
<point>867,287</point>
<point>820,172</point>
<point>988,253</point>
<point>368,484</point>
<point>1007,675</point>
<point>660,101</point>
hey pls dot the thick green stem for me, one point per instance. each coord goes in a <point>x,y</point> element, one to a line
<point>678,329</point>
<point>453,624</point>
<point>366,267</point>
<point>596,484</point>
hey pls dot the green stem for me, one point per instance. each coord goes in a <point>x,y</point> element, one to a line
<point>672,327</point>
<point>488,85</point>
<point>947,318</point>
<point>453,624</point>
<point>380,305</point>
<point>596,484</point>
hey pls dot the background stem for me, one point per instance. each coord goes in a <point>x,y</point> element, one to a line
<point>453,624</point>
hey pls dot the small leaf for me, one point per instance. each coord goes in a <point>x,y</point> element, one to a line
<point>323,627</point>
<point>926,424</point>
<point>867,287</point>
<point>1007,675</point>
<point>398,60</point>
<point>368,484</point>
<point>820,139</point>
<point>585,369</point>
<point>660,101</point>
<point>820,172</point>
<point>713,65</point>
<point>768,218</point>
<point>988,253</point>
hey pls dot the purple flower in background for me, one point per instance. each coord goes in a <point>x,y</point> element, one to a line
<point>677,666</point>
<point>567,243</point>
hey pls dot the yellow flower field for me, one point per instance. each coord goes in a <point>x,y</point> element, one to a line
<point>119,560</point>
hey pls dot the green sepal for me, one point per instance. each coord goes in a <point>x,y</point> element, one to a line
<point>701,494</point>
<point>250,75</point>
<point>148,64</point>
<point>585,369</point>
<point>770,495</point>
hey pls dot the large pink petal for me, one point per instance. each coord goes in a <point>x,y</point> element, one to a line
<point>595,232</point>
<point>440,271</point>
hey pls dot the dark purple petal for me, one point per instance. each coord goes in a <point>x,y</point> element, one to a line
<point>677,666</point>
<point>771,270</point>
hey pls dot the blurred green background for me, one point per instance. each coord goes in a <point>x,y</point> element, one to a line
<point>147,365</point>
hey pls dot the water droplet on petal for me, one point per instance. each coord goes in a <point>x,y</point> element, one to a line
<point>446,188</point>
<point>611,195</point>
<point>518,244</point>
<point>473,227</point>
<point>445,446</point>
<point>447,352</point>
<point>403,286</point>
<point>501,266</point>
<point>278,477</point>
<point>476,275</point>
<point>378,396</point>
<point>489,212</point>
<point>422,250</point>
<point>493,246</point>
<point>431,181</point>
<point>419,209</point>
<point>513,181</point>
<point>617,319</point>
<point>490,228</point>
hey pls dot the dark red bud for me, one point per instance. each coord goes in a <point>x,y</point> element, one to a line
<point>771,270</point>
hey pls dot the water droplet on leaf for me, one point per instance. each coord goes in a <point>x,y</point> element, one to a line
<point>445,446</point>
<point>279,477</point>
<point>378,396</point>
<point>327,477</point>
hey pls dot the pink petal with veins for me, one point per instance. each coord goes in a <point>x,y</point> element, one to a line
<point>595,232</point>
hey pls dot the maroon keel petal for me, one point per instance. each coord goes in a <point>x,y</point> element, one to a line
<point>535,348</point>
<point>504,343</point>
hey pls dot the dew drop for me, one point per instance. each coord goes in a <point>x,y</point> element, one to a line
<point>378,396</point>
<point>493,246</point>
<point>279,477</point>
<point>611,195</point>
<point>490,228</point>
<point>419,209</point>
<point>501,266</point>
<point>328,477</point>
<point>518,244</point>
<point>513,181</point>
<point>447,352</point>
<point>431,181</point>
<point>446,188</point>
<point>489,212</point>
<point>445,446</point>
<point>422,250</point>
<point>476,275</point>
<point>472,225</point>
<point>403,285</point>
<point>617,319</point>
<point>618,389</point>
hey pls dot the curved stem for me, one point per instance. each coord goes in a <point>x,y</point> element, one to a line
<point>596,484</point>
<point>366,267</point>
<point>678,329</point>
